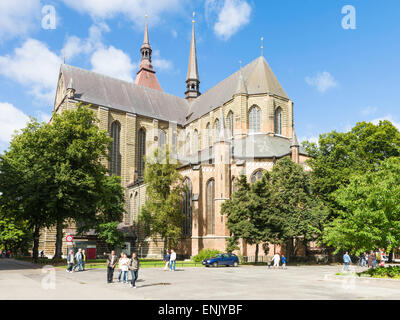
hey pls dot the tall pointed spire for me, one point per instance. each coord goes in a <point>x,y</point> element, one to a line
<point>146,75</point>
<point>192,79</point>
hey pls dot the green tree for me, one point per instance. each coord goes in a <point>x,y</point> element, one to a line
<point>371,215</point>
<point>162,213</point>
<point>339,155</point>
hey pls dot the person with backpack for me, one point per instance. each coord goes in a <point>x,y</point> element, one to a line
<point>346,261</point>
<point>78,257</point>
<point>134,268</point>
<point>70,261</point>
<point>166,260</point>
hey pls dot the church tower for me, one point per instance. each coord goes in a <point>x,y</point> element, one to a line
<point>192,79</point>
<point>146,75</point>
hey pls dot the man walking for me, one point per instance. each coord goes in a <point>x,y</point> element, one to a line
<point>166,259</point>
<point>78,257</point>
<point>269,261</point>
<point>134,268</point>
<point>172,260</point>
<point>111,263</point>
<point>346,261</point>
<point>276,260</point>
<point>70,261</point>
<point>83,259</point>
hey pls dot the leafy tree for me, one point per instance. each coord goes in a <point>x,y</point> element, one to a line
<point>339,155</point>
<point>299,213</point>
<point>162,213</point>
<point>371,215</point>
<point>109,233</point>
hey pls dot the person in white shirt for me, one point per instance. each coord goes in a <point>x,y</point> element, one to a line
<point>124,266</point>
<point>276,260</point>
<point>172,260</point>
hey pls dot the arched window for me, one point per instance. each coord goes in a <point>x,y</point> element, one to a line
<point>195,141</point>
<point>256,175</point>
<point>209,136</point>
<point>162,138</point>
<point>187,208</point>
<point>210,206</point>
<point>115,154</point>
<point>217,127</point>
<point>141,152</point>
<point>255,119</point>
<point>278,121</point>
<point>135,207</point>
<point>230,123</point>
<point>187,144</point>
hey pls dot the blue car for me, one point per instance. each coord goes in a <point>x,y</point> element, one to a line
<point>222,259</point>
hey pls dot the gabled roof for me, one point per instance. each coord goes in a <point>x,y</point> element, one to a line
<point>98,89</point>
<point>258,78</point>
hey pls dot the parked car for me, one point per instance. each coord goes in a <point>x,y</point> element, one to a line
<point>224,259</point>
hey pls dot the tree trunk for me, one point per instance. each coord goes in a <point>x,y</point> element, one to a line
<point>256,258</point>
<point>391,256</point>
<point>59,240</point>
<point>35,249</point>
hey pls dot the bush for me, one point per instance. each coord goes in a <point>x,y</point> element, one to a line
<point>205,254</point>
<point>383,272</point>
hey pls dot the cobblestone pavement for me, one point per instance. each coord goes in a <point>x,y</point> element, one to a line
<point>22,280</point>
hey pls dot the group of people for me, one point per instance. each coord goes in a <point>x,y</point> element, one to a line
<point>366,260</point>
<point>125,265</point>
<point>276,259</point>
<point>6,254</point>
<point>170,260</point>
<point>79,257</point>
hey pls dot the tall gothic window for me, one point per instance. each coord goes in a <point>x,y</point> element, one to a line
<point>195,141</point>
<point>162,138</point>
<point>257,175</point>
<point>210,206</point>
<point>209,136</point>
<point>187,144</point>
<point>187,208</point>
<point>255,119</point>
<point>230,123</point>
<point>115,153</point>
<point>278,121</point>
<point>141,152</point>
<point>217,127</point>
<point>135,208</point>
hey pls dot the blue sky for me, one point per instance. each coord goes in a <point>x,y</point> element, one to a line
<point>335,76</point>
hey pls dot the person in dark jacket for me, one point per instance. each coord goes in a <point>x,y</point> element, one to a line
<point>112,261</point>
<point>134,265</point>
<point>166,260</point>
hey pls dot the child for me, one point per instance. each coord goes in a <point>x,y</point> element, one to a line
<point>283,262</point>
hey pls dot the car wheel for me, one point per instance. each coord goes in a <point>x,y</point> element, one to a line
<point>215,264</point>
<point>235,264</point>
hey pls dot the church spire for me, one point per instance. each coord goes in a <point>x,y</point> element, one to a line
<point>192,79</point>
<point>146,75</point>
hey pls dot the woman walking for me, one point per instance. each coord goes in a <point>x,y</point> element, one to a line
<point>134,268</point>
<point>83,259</point>
<point>124,266</point>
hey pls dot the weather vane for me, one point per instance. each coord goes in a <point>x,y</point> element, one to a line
<point>262,45</point>
<point>194,13</point>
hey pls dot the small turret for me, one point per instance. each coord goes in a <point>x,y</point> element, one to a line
<point>71,89</point>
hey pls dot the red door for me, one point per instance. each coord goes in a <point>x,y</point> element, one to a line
<point>91,253</point>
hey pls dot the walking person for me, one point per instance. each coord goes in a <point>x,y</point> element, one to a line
<point>373,260</point>
<point>78,257</point>
<point>166,259</point>
<point>124,266</point>
<point>276,258</point>
<point>370,260</point>
<point>283,259</point>
<point>112,260</point>
<point>70,261</point>
<point>363,260</point>
<point>83,259</point>
<point>269,261</point>
<point>119,266</point>
<point>346,261</point>
<point>134,268</point>
<point>172,260</point>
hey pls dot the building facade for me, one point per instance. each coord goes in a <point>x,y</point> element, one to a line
<point>240,126</point>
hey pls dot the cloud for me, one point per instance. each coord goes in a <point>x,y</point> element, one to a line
<point>369,111</point>
<point>322,81</point>
<point>314,139</point>
<point>135,10</point>
<point>232,15</point>
<point>114,63</point>
<point>18,17</point>
<point>11,119</point>
<point>159,63</point>
<point>390,118</point>
<point>34,66</point>
<point>75,45</point>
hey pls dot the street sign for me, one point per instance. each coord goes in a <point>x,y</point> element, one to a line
<point>69,238</point>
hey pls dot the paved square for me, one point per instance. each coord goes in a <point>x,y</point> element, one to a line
<point>19,280</point>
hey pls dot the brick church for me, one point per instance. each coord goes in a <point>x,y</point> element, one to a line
<point>240,126</point>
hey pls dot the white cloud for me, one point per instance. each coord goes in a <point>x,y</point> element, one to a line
<point>34,66</point>
<point>11,119</point>
<point>134,10</point>
<point>114,63</point>
<point>314,139</point>
<point>75,45</point>
<point>390,118</point>
<point>232,15</point>
<point>369,110</point>
<point>322,81</point>
<point>159,63</point>
<point>18,17</point>
<point>174,33</point>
